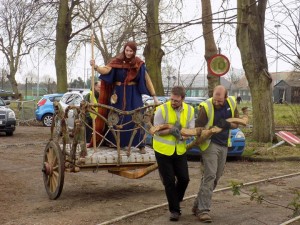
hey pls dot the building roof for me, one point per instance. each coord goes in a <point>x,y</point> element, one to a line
<point>286,76</point>
<point>292,79</point>
<point>293,83</point>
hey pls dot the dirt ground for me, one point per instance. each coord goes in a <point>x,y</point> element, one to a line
<point>93,198</point>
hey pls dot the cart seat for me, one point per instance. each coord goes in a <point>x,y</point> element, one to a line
<point>106,155</point>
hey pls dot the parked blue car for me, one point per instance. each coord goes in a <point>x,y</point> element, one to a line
<point>45,110</point>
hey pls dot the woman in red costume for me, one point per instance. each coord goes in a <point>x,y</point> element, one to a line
<point>126,79</point>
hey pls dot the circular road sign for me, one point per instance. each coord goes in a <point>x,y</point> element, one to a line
<point>218,65</point>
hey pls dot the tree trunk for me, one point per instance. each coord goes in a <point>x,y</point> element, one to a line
<point>153,53</point>
<point>12,80</point>
<point>61,65</point>
<point>63,32</point>
<point>210,45</point>
<point>250,41</point>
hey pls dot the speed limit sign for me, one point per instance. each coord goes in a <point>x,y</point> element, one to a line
<point>218,65</point>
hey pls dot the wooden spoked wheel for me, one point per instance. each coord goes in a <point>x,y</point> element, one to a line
<point>53,170</point>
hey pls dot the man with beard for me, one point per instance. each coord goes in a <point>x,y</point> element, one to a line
<point>170,148</point>
<point>214,112</point>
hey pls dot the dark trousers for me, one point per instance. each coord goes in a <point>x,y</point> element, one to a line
<point>175,177</point>
<point>88,131</point>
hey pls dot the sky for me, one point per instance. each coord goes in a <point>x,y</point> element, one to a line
<point>225,38</point>
<point>192,62</point>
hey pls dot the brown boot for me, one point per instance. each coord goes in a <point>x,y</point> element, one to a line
<point>174,216</point>
<point>204,217</point>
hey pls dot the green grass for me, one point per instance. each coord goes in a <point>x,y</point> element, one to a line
<point>284,114</point>
<point>25,111</point>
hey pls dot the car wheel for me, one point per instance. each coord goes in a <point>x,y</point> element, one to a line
<point>9,133</point>
<point>47,120</point>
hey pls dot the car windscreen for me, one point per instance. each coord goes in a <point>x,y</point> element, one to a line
<point>2,103</point>
<point>71,99</point>
<point>54,98</point>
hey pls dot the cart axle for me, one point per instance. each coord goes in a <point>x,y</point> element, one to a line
<point>47,169</point>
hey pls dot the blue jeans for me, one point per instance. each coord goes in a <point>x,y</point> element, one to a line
<point>175,177</point>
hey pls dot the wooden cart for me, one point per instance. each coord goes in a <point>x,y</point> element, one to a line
<point>66,150</point>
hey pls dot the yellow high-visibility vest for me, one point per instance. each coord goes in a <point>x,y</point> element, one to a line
<point>167,144</point>
<point>94,101</point>
<point>209,108</point>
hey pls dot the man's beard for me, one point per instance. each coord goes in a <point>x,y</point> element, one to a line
<point>175,106</point>
<point>218,106</point>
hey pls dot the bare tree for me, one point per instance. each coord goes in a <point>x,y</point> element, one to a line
<point>286,32</point>
<point>68,12</point>
<point>121,22</point>
<point>210,45</point>
<point>153,52</point>
<point>18,20</point>
<point>125,20</point>
<point>169,77</point>
<point>251,43</point>
<point>234,75</point>
<point>3,78</point>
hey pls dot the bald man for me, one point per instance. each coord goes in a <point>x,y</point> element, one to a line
<point>214,112</point>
